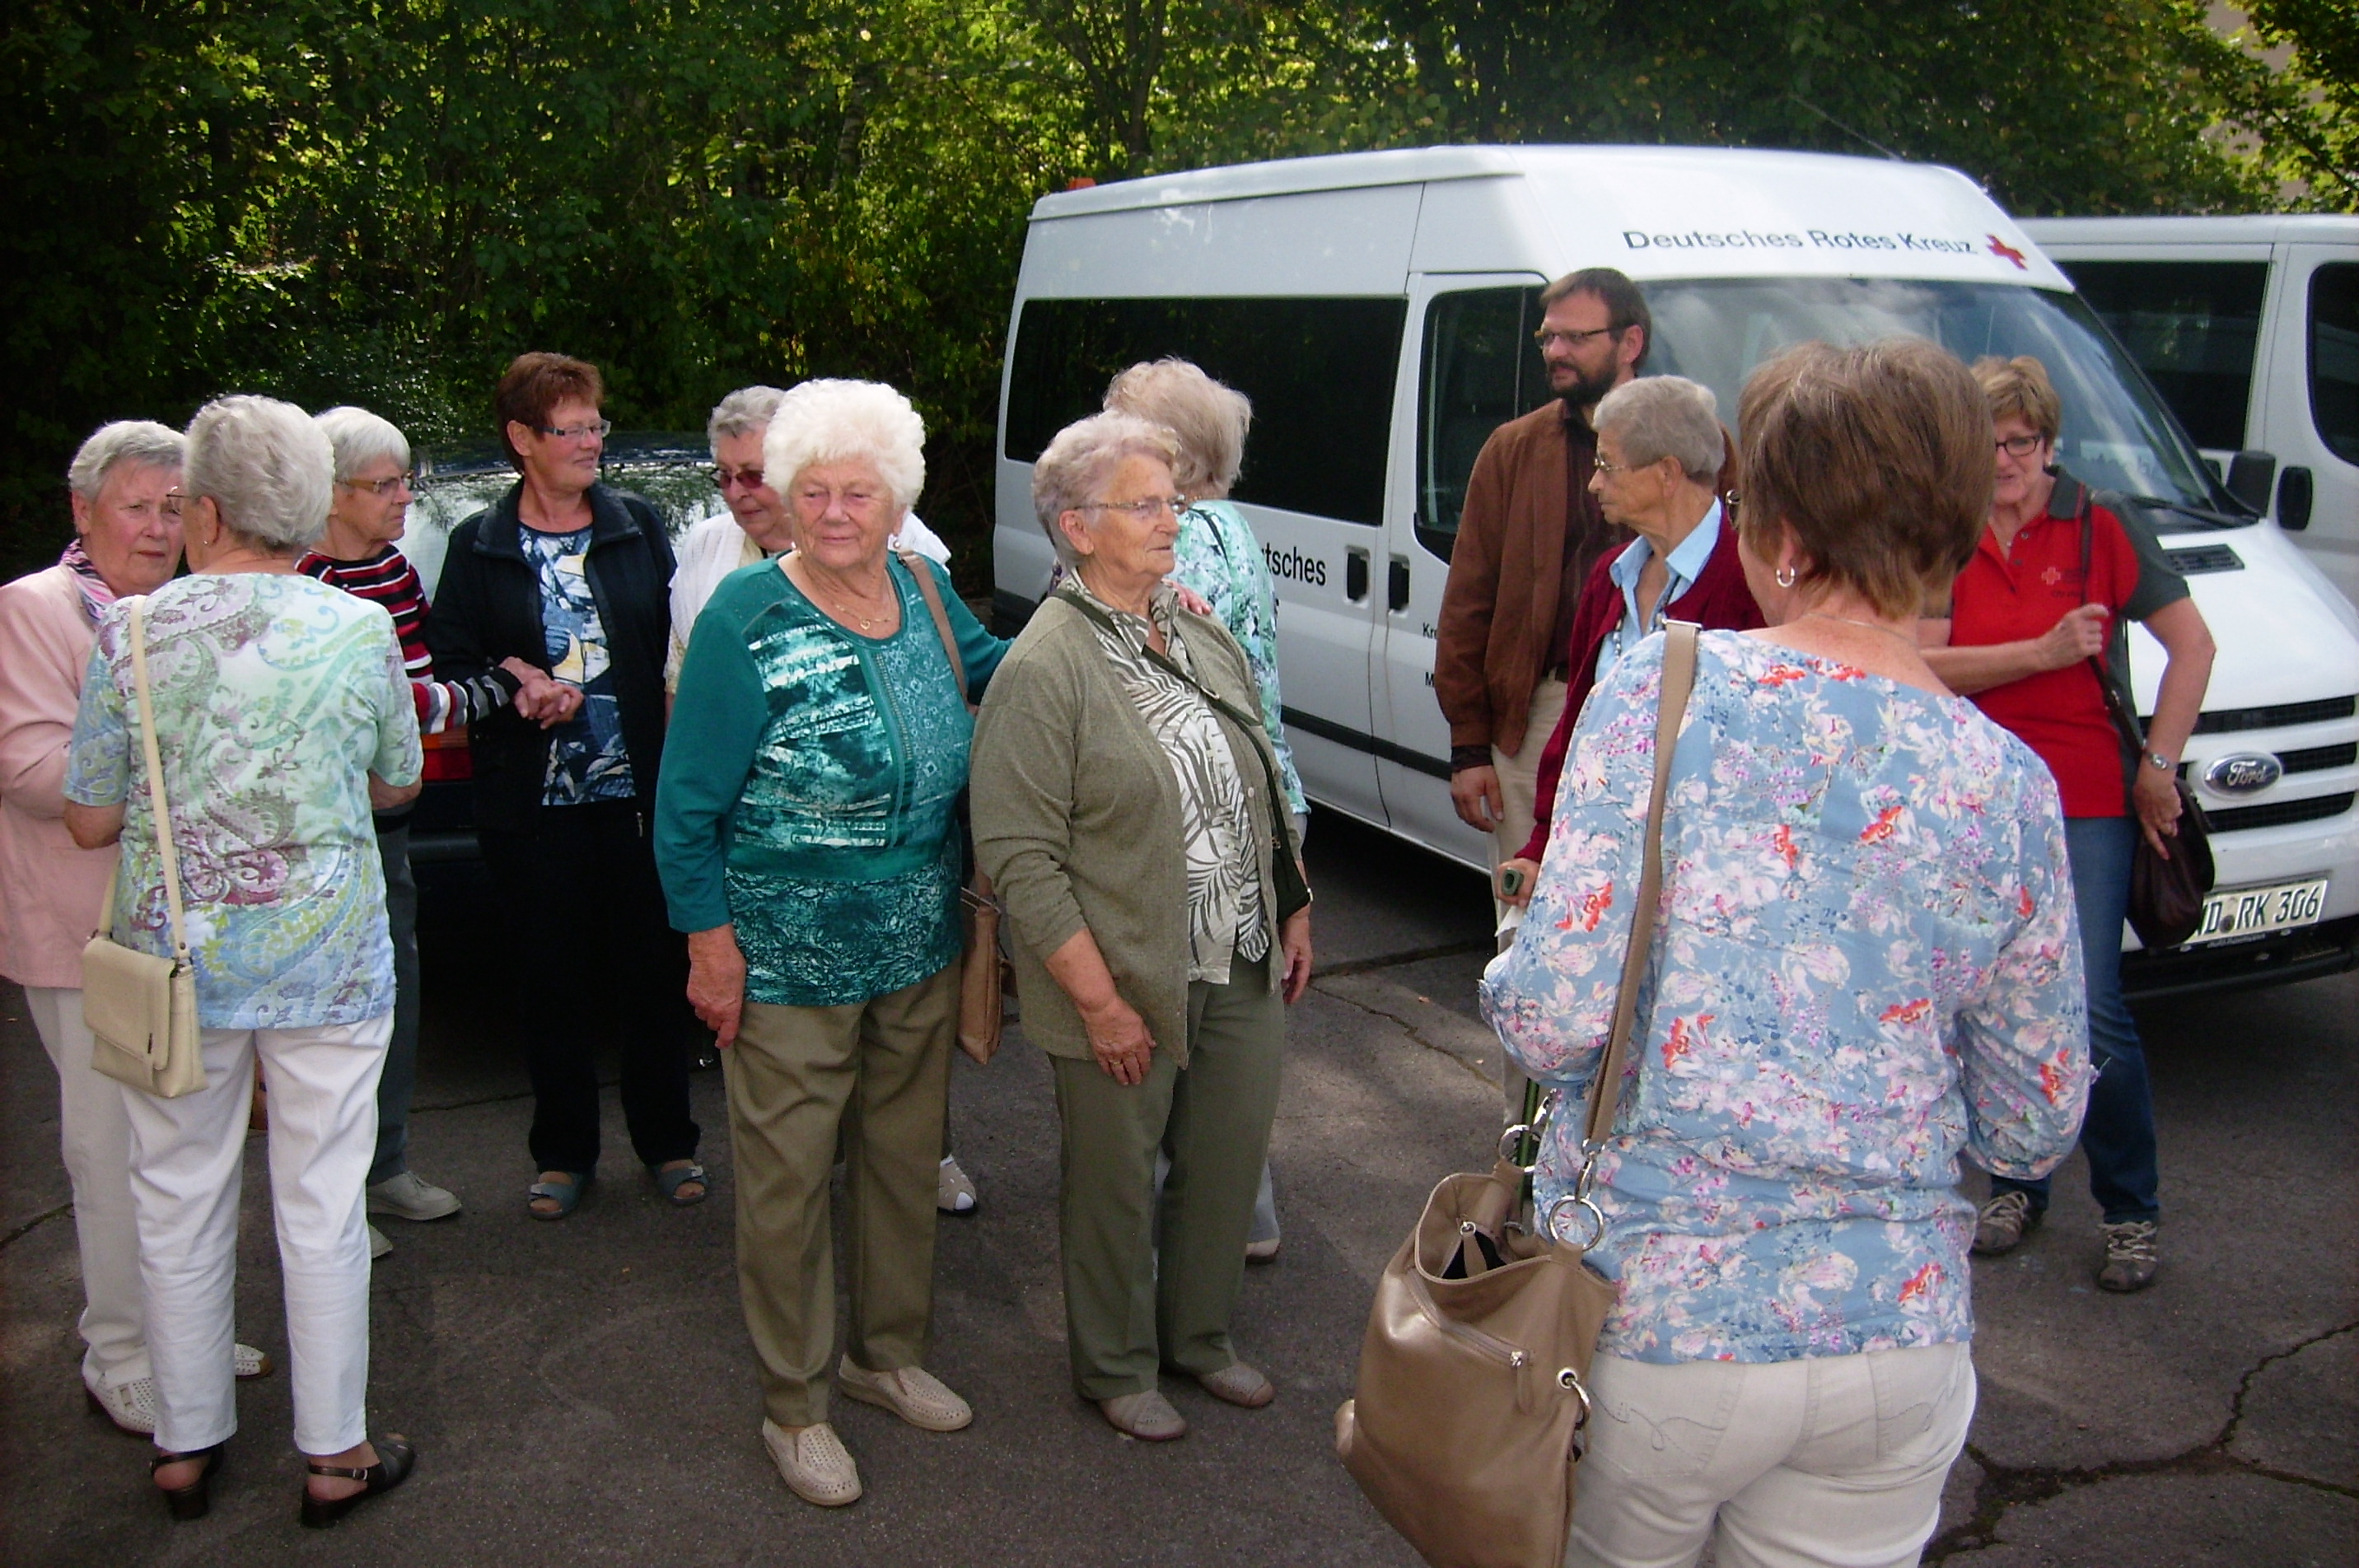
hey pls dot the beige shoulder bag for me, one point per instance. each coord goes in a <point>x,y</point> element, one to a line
<point>142,1010</point>
<point>986,977</point>
<point>1466,1421</point>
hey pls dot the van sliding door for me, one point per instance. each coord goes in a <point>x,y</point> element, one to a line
<point>1472,366</point>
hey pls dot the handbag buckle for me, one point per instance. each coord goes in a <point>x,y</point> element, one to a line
<point>1556,1217</point>
<point>1511,1141</point>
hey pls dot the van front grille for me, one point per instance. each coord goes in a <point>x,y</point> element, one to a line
<point>2277,814</point>
<point>2231,721</point>
<point>2316,758</point>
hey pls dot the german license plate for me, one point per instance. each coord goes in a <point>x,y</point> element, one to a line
<point>2249,911</point>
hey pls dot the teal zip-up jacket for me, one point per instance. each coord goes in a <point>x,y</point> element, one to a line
<point>809,783</point>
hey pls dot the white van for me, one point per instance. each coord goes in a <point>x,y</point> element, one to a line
<point>1378,308</point>
<point>2249,328</point>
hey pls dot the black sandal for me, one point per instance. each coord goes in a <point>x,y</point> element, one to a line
<point>395,1459</point>
<point>195,1500</point>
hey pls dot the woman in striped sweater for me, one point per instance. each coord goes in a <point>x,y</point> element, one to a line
<point>358,554</point>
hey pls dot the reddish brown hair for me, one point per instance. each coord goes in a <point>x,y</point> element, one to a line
<point>1877,459</point>
<point>535,384</point>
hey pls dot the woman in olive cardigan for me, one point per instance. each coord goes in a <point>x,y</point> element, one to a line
<point>1127,821</point>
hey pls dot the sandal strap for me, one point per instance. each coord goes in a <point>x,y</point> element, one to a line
<point>346,1471</point>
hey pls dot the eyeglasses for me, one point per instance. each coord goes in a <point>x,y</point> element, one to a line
<point>1141,510</point>
<point>1547,335</point>
<point>170,505</point>
<point>381,488</point>
<point>575,432</point>
<point>2019,446</point>
<point>1601,466</point>
<point>722,479</point>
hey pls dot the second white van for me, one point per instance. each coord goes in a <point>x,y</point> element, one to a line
<point>1378,308</point>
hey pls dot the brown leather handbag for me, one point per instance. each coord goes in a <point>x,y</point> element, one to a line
<point>1466,1423</point>
<point>986,977</point>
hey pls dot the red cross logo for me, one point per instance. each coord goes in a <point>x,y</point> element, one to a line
<point>1999,247</point>
<point>2051,577</point>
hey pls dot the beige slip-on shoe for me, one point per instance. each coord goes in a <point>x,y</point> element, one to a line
<point>1147,1416</point>
<point>1239,1384</point>
<point>813,1463</point>
<point>914,1394</point>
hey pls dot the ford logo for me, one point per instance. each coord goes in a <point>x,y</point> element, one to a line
<point>2243,772</point>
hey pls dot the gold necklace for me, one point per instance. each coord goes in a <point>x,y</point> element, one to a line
<point>848,607</point>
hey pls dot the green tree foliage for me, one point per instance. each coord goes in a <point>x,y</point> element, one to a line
<point>383,200</point>
<point>2300,122</point>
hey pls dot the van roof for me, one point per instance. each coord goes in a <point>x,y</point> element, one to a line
<point>1654,211</point>
<point>2257,228</point>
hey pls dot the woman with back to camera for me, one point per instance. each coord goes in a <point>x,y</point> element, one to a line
<point>2052,579</point>
<point>283,716</point>
<point>1865,965</point>
<point>1127,806</point>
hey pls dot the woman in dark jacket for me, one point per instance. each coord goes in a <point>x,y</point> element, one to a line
<point>570,576</point>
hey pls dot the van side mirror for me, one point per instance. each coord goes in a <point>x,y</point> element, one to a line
<point>2250,475</point>
<point>2293,500</point>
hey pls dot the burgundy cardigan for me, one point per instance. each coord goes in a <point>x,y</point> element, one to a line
<point>1717,600</point>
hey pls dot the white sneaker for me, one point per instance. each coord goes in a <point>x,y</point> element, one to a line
<point>813,1463</point>
<point>914,1394</point>
<point>953,1188</point>
<point>129,1404</point>
<point>378,1244</point>
<point>248,1362</point>
<point>411,1197</point>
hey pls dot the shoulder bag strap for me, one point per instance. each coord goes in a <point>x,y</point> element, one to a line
<point>933,596</point>
<point>155,801</point>
<point>2125,724</point>
<point>1605,1090</point>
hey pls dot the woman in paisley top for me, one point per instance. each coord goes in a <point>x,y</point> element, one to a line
<point>282,715</point>
<point>1133,824</point>
<point>809,844</point>
<point>1866,965</point>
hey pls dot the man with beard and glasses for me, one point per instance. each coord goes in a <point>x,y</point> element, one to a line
<point>1530,535</point>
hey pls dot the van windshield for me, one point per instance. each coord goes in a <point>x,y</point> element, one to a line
<point>2116,435</point>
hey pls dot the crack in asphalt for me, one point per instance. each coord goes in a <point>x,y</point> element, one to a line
<point>2004,1487</point>
<point>1408,1028</point>
<point>34,1224</point>
<point>1391,960</point>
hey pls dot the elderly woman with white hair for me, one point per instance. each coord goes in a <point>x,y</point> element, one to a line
<point>359,554</point>
<point>126,519</point>
<point>1129,808</point>
<point>283,715</point>
<point>1664,463</point>
<point>806,835</point>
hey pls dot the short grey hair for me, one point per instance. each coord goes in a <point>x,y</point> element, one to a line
<point>844,421</point>
<point>268,466</point>
<point>744,412</point>
<point>1069,474</point>
<point>1659,417</point>
<point>360,438</point>
<point>140,441</point>
<point>1210,419</point>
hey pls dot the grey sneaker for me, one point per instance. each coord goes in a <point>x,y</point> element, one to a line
<point>2003,1222</point>
<point>953,1188</point>
<point>378,1245</point>
<point>2132,1255</point>
<point>411,1197</point>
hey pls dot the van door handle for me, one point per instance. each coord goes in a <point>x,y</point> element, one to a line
<point>1396,585</point>
<point>1355,576</point>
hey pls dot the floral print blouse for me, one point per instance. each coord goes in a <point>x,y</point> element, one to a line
<point>1866,963</point>
<point>275,697</point>
<point>1217,554</point>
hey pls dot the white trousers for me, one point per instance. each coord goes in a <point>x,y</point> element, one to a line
<point>187,1166</point>
<point>1519,783</point>
<point>1836,1462</point>
<point>94,1135</point>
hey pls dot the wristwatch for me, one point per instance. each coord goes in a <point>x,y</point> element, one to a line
<point>2157,760</point>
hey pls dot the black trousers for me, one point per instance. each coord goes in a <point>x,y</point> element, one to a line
<point>594,956</point>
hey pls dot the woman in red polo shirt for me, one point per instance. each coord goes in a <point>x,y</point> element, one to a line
<point>2028,615</point>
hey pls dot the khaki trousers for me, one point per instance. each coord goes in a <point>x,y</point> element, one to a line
<point>878,1072</point>
<point>1126,1317</point>
<point>1519,782</point>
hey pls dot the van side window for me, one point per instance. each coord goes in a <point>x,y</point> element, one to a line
<point>1479,369</point>
<point>1320,372</point>
<point>2335,357</point>
<point>2192,327</point>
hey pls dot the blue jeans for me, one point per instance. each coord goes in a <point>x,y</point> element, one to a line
<point>2117,1135</point>
<point>400,1079</point>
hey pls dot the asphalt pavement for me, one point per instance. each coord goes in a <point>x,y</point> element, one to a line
<point>581,1393</point>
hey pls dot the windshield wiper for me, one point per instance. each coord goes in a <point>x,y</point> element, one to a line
<point>2210,519</point>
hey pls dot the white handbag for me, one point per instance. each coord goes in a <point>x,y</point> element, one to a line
<point>141,1009</point>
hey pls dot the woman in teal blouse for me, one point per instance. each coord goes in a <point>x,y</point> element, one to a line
<point>806,833</point>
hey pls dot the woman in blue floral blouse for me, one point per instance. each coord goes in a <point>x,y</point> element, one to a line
<point>1866,963</point>
<point>806,835</point>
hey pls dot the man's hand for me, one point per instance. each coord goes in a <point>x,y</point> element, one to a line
<point>716,981</point>
<point>2079,635</point>
<point>1475,793</point>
